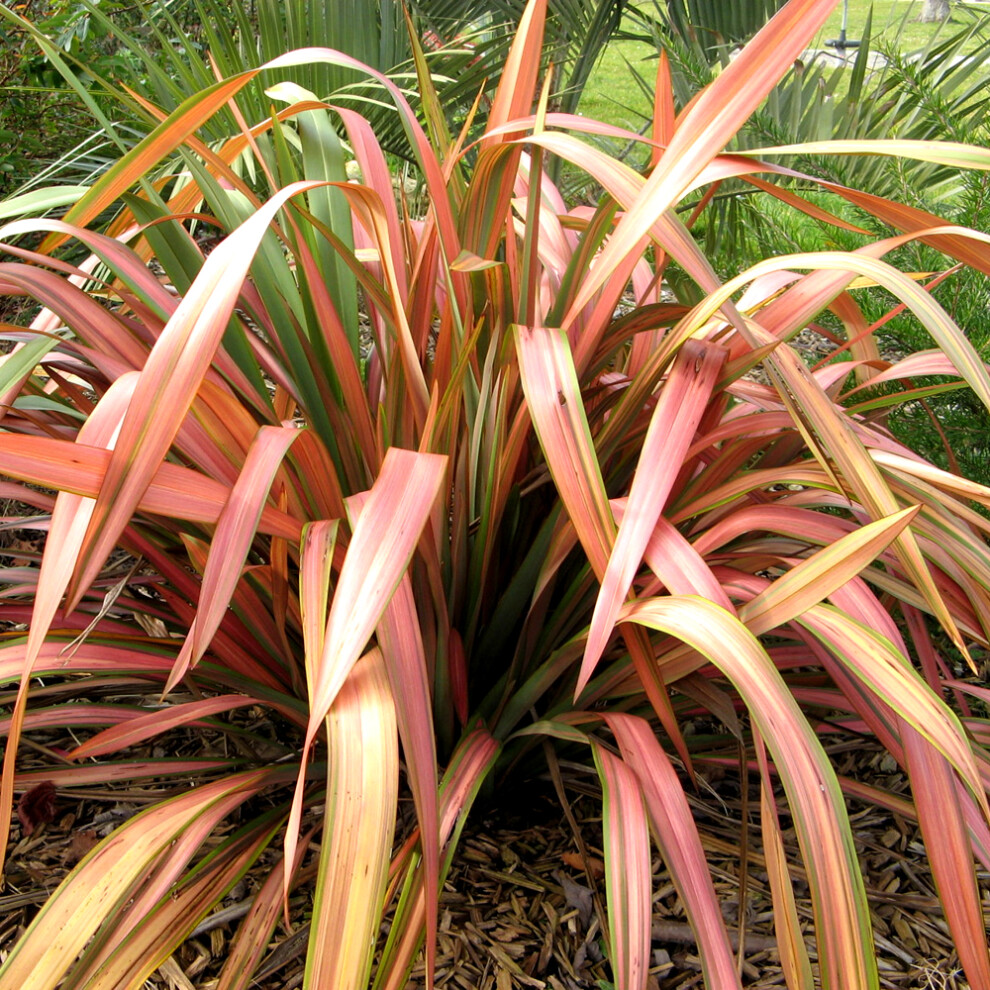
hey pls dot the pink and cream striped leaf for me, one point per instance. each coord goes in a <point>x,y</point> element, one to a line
<point>359,822</point>
<point>841,913</point>
<point>626,841</point>
<point>684,397</point>
<point>680,845</point>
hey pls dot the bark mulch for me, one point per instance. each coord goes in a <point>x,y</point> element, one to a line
<point>522,907</point>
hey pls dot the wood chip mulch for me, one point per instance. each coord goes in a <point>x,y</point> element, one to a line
<point>522,908</point>
<point>522,911</point>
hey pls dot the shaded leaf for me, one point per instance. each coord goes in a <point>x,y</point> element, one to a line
<point>36,807</point>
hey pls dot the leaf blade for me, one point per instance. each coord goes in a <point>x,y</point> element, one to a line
<point>839,898</point>
<point>627,869</point>
<point>359,821</point>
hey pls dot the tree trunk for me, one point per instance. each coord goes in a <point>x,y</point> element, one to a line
<point>934,10</point>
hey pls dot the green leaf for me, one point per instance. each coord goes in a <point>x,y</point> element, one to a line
<point>40,200</point>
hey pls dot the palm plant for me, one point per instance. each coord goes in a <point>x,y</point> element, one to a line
<point>716,26</point>
<point>393,482</point>
<point>172,52</point>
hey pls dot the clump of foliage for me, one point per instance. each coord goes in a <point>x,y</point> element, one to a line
<point>452,485</point>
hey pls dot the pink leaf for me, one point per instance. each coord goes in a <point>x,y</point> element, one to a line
<point>627,870</point>
<point>683,400</point>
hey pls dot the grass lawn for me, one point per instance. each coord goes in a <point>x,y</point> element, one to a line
<point>894,20</point>
<point>612,93</point>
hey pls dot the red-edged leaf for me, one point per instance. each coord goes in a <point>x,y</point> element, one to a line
<point>104,658</point>
<point>119,770</point>
<point>517,87</point>
<point>172,919</point>
<point>147,726</point>
<point>683,400</point>
<point>168,384</point>
<point>553,395</point>
<point>676,834</point>
<point>401,643</point>
<point>457,664</point>
<point>385,535</point>
<point>125,263</point>
<point>664,112</point>
<point>384,538</point>
<point>677,563</point>
<point>556,407</point>
<point>628,873</point>
<point>174,492</point>
<point>917,468</point>
<point>100,329</point>
<point>71,515</point>
<point>375,173</point>
<point>367,207</point>
<point>77,715</point>
<point>874,661</point>
<point>236,529</point>
<point>815,578</point>
<point>133,922</point>
<point>861,475</point>
<point>933,786</point>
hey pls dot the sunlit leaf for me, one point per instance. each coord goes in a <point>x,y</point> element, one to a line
<point>362,796</point>
<point>842,917</point>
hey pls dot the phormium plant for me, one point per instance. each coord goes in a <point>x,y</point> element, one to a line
<point>362,483</point>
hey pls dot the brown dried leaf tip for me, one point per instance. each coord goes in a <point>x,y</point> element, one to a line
<point>37,807</point>
<point>80,844</point>
<point>575,862</point>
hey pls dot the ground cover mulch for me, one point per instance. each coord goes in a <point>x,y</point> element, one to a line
<point>522,907</point>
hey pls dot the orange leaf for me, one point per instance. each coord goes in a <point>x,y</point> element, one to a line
<point>575,862</point>
<point>236,529</point>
